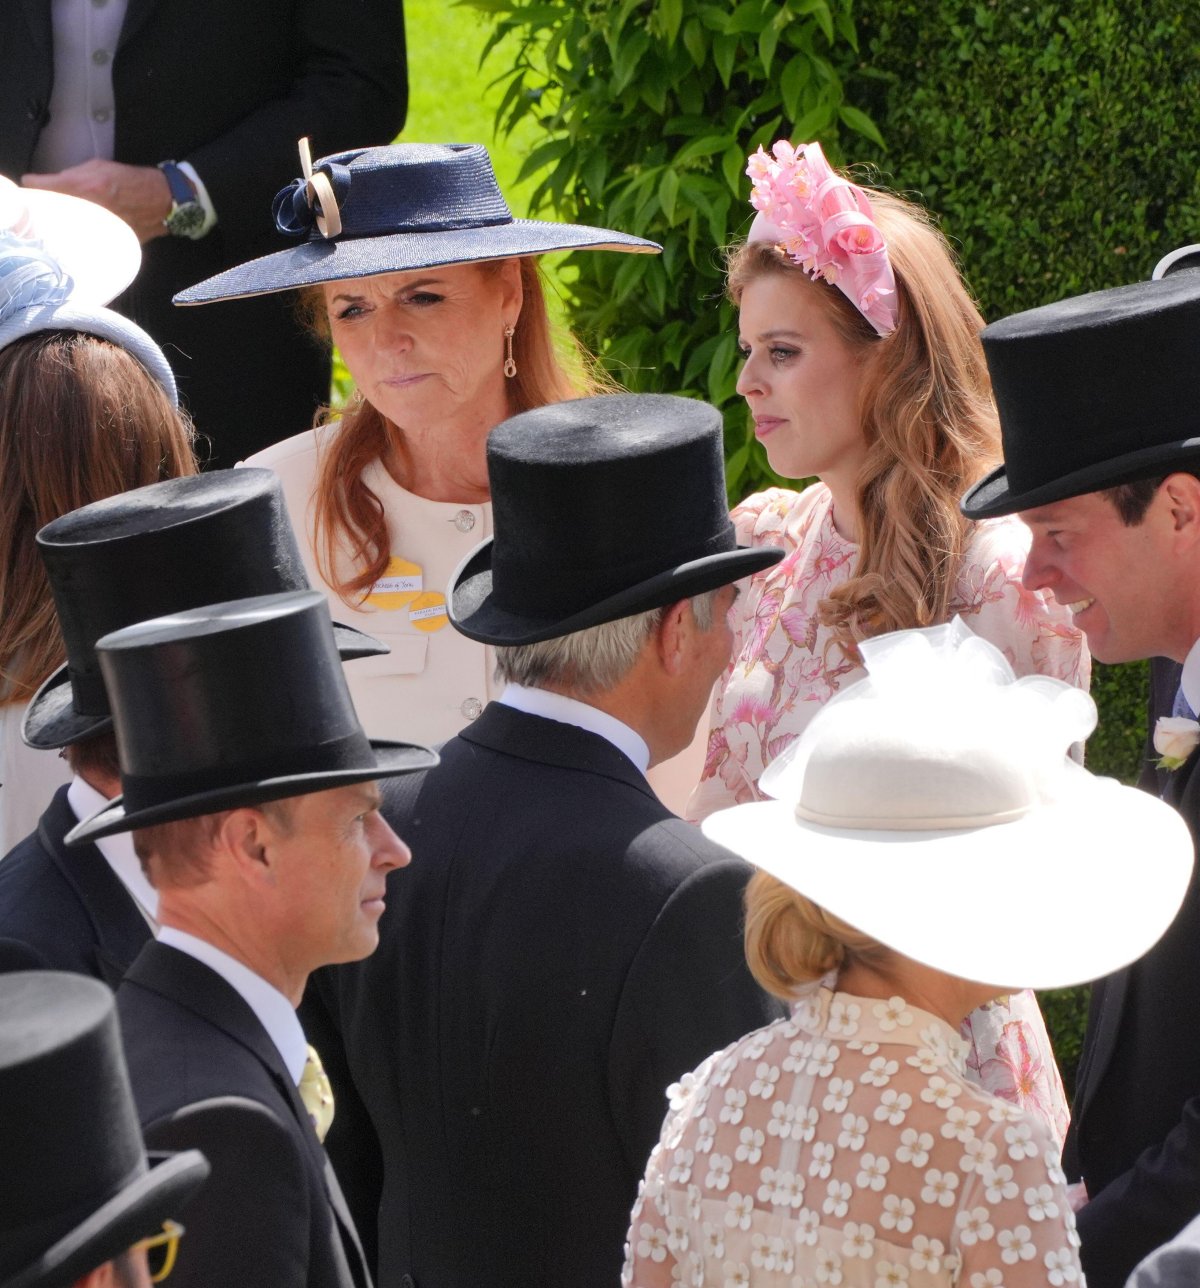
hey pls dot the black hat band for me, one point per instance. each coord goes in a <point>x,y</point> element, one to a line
<point>350,752</point>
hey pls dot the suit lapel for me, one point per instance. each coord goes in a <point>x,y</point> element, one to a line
<point>192,985</point>
<point>121,930</point>
<point>37,16</point>
<point>135,15</point>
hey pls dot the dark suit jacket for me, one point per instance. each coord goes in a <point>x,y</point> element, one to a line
<point>66,904</point>
<point>229,86</point>
<point>560,951</point>
<point>1135,1134</point>
<point>206,1076</point>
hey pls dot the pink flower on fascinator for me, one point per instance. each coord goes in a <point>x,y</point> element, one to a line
<point>825,224</point>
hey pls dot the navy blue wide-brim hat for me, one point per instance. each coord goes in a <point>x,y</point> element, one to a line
<point>1094,391</point>
<point>398,208</point>
<point>602,508</point>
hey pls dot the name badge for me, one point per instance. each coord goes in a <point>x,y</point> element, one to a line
<point>401,583</point>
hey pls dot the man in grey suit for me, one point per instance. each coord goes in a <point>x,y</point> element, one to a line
<point>563,948</point>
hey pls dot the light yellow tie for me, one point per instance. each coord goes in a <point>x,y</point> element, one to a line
<point>316,1093</point>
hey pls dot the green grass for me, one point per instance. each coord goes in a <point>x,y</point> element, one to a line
<point>450,98</point>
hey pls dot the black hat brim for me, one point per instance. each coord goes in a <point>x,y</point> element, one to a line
<point>391,760</point>
<point>475,614</point>
<point>313,262</point>
<point>993,495</point>
<point>137,1212</point>
<point>51,721</point>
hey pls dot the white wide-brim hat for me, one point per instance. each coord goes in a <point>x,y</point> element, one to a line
<point>96,249</point>
<point>934,807</point>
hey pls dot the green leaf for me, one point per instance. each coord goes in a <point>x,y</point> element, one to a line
<point>543,155</point>
<point>668,189</point>
<point>704,147</point>
<point>733,167</point>
<point>670,15</point>
<point>767,42</point>
<point>695,41</point>
<point>626,59</point>
<point>861,123</point>
<point>792,84</point>
<point>725,50</point>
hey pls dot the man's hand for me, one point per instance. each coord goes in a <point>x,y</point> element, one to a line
<point>138,193</point>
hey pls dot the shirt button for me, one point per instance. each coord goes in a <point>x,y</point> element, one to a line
<point>101,114</point>
<point>100,57</point>
<point>464,520</point>
<point>471,708</point>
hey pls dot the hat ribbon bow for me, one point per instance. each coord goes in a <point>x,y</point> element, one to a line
<point>314,199</point>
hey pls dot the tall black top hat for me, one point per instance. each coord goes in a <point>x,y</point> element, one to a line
<point>603,508</point>
<point>159,549</point>
<point>1094,391</point>
<point>76,1188</point>
<point>232,705</point>
<point>394,209</point>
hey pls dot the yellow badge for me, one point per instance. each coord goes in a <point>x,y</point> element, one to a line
<point>401,583</point>
<point>427,611</point>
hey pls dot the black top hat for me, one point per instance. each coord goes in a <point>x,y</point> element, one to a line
<point>76,1188</point>
<point>178,544</point>
<point>1094,391</point>
<point>230,705</point>
<point>401,207</point>
<point>603,508</point>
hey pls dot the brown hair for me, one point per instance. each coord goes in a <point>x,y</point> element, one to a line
<point>80,419</point>
<point>792,941</point>
<point>96,755</point>
<point>348,515</point>
<point>1132,500</point>
<point>928,419</point>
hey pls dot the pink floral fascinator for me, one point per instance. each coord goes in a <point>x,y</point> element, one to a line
<point>825,224</point>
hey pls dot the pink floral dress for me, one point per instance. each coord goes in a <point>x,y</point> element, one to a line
<point>785,666</point>
<point>844,1145</point>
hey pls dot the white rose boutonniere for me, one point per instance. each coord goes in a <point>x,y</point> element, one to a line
<point>1175,738</point>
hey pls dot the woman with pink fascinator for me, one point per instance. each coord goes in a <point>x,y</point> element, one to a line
<point>863,369</point>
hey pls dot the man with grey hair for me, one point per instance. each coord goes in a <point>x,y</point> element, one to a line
<point>563,948</point>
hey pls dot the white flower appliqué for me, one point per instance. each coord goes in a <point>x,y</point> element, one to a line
<point>1175,738</point>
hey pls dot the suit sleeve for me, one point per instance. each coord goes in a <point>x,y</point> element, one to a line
<point>248,1223</point>
<point>1144,1206</point>
<point>688,993</point>
<point>350,90</point>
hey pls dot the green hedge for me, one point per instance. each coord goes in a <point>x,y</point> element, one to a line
<point>1059,140</point>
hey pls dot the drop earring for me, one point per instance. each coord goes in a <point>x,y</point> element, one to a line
<point>510,367</point>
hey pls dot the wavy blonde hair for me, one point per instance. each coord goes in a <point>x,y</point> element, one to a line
<point>791,941</point>
<point>347,514</point>
<point>928,418</point>
<point>80,419</point>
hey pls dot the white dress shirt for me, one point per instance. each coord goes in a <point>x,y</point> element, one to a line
<point>275,1013</point>
<point>555,706</point>
<point>1189,681</point>
<point>118,853</point>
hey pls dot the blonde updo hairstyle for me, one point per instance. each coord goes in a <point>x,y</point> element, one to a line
<point>927,416</point>
<point>791,941</point>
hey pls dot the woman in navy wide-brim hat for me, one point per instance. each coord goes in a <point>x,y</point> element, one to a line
<point>433,297</point>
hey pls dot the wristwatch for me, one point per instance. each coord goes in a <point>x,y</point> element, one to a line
<point>187,214</point>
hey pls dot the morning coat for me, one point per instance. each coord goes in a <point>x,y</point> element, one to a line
<point>561,950</point>
<point>66,903</point>
<point>206,1076</point>
<point>1135,1130</point>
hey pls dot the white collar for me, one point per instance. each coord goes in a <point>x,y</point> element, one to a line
<point>118,852</point>
<point>275,1013</point>
<point>556,706</point>
<point>1189,682</point>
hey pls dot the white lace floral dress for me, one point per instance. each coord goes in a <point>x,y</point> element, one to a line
<point>785,667</point>
<point>846,1146</point>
